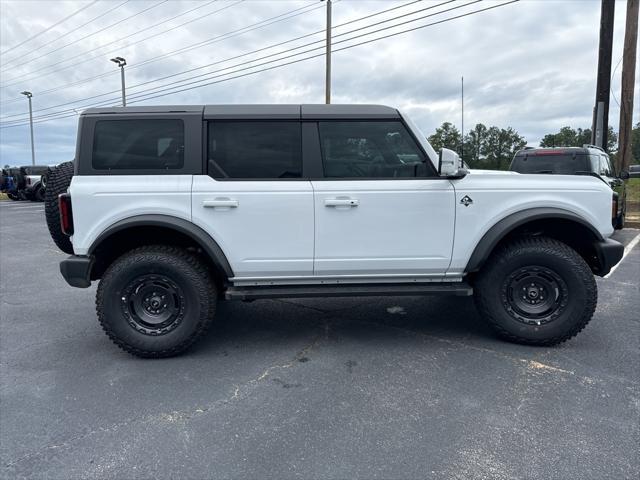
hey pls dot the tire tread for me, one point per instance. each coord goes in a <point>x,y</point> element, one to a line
<point>206,286</point>
<point>58,180</point>
<point>547,246</point>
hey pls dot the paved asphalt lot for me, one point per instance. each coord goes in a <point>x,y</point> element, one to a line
<point>405,387</point>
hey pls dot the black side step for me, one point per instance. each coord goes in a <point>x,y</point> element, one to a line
<point>460,289</point>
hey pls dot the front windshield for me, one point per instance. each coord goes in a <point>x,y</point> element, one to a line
<point>422,140</point>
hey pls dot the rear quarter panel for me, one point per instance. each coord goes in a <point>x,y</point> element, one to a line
<point>100,201</point>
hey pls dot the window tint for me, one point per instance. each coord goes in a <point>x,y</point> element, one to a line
<point>605,166</point>
<point>369,149</point>
<point>255,150</point>
<point>560,164</point>
<point>138,145</point>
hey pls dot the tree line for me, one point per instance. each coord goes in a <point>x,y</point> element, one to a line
<point>494,147</point>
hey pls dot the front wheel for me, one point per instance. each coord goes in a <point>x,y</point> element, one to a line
<point>156,301</point>
<point>536,291</point>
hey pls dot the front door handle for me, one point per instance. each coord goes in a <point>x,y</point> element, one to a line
<point>341,202</point>
<point>221,203</point>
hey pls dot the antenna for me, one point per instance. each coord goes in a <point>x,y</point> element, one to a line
<point>462,119</point>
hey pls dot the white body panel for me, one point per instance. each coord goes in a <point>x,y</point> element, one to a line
<point>265,228</point>
<point>397,227</point>
<point>496,196</point>
<point>101,201</point>
<point>301,231</point>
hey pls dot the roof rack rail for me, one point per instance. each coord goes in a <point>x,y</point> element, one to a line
<point>586,145</point>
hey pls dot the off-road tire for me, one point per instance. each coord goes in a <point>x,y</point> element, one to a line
<point>576,292</point>
<point>58,180</point>
<point>165,265</point>
<point>39,194</point>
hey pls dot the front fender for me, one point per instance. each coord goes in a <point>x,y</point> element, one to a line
<point>502,228</point>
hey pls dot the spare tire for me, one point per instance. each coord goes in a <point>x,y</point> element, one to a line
<point>57,182</point>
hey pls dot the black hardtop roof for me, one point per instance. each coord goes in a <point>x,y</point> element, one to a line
<point>260,111</point>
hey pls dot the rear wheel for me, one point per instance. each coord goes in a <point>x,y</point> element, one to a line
<point>57,181</point>
<point>156,301</point>
<point>536,291</point>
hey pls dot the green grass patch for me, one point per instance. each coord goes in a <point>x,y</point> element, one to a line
<point>633,190</point>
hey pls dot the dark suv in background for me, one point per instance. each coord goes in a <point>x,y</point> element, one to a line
<point>585,160</point>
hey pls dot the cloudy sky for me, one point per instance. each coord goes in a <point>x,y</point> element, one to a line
<point>530,65</point>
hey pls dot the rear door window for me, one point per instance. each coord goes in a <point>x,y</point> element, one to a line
<point>560,164</point>
<point>156,144</point>
<point>255,150</point>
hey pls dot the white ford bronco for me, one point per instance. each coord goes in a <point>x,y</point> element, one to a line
<point>174,208</point>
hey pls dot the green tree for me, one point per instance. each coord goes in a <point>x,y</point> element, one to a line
<point>474,141</point>
<point>446,136</point>
<point>568,137</point>
<point>484,148</point>
<point>500,146</point>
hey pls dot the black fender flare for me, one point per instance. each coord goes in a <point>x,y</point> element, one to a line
<point>197,234</point>
<point>502,228</point>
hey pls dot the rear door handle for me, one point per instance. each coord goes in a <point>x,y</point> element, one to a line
<point>341,202</point>
<point>220,202</point>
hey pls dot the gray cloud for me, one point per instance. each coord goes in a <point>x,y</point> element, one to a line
<point>530,65</point>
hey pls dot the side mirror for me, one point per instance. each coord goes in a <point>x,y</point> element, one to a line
<point>624,175</point>
<point>450,163</point>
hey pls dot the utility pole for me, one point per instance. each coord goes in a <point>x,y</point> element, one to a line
<point>121,63</point>
<point>33,152</point>
<point>600,126</point>
<point>623,159</point>
<point>327,81</point>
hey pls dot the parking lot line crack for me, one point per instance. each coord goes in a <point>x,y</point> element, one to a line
<point>533,364</point>
<point>175,417</point>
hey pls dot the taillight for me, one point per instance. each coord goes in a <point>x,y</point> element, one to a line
<point>614,206</point>
<point>66,213</point>
<point>28,181</point>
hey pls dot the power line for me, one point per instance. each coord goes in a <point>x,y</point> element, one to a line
<point>152,95</point>
<point>338,49</point>
<point>260,49</point>
<point>163,87</point>
<point>215,39</point>
<point>264,57</point>
<point>140,31</point>
<point>59,22</point>
<point>68,32</point>
<point>257,25</point>
<point>84,38</point>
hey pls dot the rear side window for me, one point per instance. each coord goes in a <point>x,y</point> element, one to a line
<point>156,144</point>
<point>559,164</point>
<point>255,150</point>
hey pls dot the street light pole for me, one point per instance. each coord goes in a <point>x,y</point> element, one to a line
<point>327,82</point>
<point>121,63</point>
<point>33,153</point>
